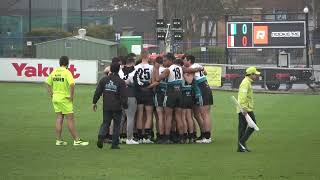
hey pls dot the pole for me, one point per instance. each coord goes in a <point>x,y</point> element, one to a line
<point>30,16</point>
<point>64,14</point>
<point>160,16</point>
<point>160,9</point>
<point>81,13</point>
<point>226,46</point>
<point>307,39</point>
<point>265,79</point>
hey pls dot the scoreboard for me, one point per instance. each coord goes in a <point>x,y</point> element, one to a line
<point>284,34</point>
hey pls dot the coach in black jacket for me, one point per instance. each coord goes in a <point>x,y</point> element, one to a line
<point>114,99</point>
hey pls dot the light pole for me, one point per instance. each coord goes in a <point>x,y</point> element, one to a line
<point>30,16</point>
<point>306,12</point>
<point>161,16</point>
<point>80,13</point>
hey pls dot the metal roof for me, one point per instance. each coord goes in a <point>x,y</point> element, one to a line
<point>86,38</point>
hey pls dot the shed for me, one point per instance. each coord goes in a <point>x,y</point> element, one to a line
<point>85,48</point>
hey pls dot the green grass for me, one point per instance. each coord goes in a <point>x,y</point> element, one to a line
<point>287,147</point>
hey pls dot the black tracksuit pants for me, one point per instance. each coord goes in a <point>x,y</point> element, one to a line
<point>244,131</point>
<point>104,128</point>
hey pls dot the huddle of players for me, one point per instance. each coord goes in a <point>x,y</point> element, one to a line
<point>174,91</point>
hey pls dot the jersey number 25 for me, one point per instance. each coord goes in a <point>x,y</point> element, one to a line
<point>144,74</point>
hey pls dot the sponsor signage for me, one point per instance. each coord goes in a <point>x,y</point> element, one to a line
<point>37,70</point>
<point>285,34</point>
<point>214,75</point>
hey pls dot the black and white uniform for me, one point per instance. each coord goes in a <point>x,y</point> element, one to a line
<point>127,74</point>
<point>173,97</point>
<point>160,90</point>
<point>202,90</point>
<point>187,96</point>
<point>143,76</point>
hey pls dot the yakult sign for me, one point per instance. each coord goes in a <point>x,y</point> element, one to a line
<point>37,70</point>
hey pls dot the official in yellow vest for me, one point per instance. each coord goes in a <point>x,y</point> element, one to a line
<point>245,99</point>
<point>60,86</point>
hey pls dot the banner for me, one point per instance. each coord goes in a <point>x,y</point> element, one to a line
<point>37,70</point>
<point>214,75</point>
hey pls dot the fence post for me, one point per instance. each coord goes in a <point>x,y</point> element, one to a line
<point>226,46</point>
<point>265,79</point>
<point>307,39</point>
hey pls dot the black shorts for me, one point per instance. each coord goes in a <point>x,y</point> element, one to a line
<point>187,100</point>
<point>206,97</point>
<point>145,97</point>
<point>158,99</point>
<point>173,100</point>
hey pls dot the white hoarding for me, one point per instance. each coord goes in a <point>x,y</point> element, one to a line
<point>37,70</point>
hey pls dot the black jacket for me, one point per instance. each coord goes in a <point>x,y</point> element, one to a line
<point>113,89</point>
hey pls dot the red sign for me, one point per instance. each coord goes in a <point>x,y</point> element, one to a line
<point>260,35</point>
<point>39,70</point>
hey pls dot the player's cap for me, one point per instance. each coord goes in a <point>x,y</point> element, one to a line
<point>252,70</point>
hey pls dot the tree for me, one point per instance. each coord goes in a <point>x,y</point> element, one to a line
<point>192,12</point>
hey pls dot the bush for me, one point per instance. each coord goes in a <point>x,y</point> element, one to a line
<point>123,51</point>
<point>106,32</point>
<point>46,34</point>
<point>41,35</point>
<point>213,54</point>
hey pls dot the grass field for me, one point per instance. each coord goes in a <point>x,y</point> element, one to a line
<point>287,147</point>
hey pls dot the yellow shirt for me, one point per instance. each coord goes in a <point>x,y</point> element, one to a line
<point>245,95</point>
<point>60,80</point>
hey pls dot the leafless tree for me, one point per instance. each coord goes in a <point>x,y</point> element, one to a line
<point>192,12</point>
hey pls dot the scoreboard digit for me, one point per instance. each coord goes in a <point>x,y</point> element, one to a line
<point>244,38</point>
<point>239,35</point>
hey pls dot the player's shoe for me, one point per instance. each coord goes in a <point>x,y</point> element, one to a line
<point>244,147</point>
<point>131,141</point>
<point>147,141</point>
<point>191,141</point>
<point>123,140</point>
<point>201,141</point>
<point>241,150</point>
<point>80,142</point>
<point>140,141</point>
<point>100,143</point>
<point>207,141</point>
<point>61,143</point>
<point>199,138</point>
<point>204,141</point>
